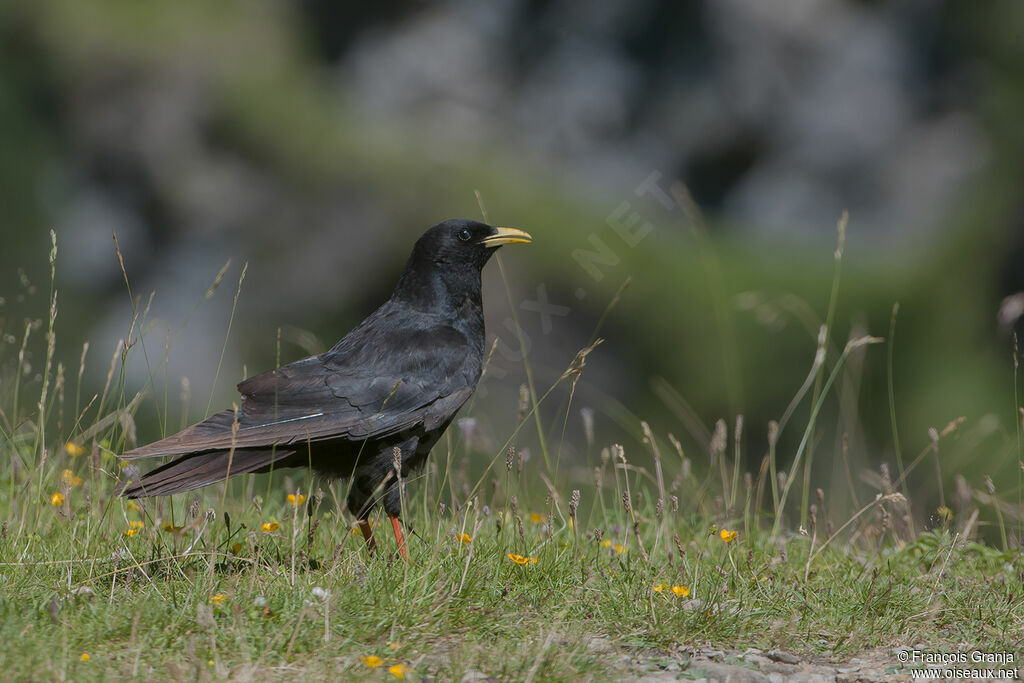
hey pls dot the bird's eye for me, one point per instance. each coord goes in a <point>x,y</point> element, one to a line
<point>465,235</point>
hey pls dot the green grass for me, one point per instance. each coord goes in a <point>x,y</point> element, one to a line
<point>236,581</point>
<point>74,583</point>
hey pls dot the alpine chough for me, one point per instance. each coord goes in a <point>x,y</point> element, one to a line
<point>381,396</point>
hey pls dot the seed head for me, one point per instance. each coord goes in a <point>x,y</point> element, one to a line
<point>679,545</point>
<point>718,441</point>
<point>886,479</point>
<point>675,444</point>
<point>588,425</point>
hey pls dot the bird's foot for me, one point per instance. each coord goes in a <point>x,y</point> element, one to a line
<point>399,537</point>
<point>364,526</point>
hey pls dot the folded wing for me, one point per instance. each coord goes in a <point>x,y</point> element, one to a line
<point>338,395</point>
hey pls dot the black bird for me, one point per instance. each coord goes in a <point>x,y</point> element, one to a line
<point>394,382</point>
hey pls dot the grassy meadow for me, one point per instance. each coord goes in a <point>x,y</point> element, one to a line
<point>515,572</point>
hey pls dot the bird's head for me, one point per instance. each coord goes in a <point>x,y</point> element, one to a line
<point>466,244</point>
<point>453,253</point>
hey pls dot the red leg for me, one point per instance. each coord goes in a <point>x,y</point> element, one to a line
<point>398,537</point>
<point>364,526</point>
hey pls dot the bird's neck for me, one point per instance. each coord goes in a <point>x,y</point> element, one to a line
<point>441,291</point>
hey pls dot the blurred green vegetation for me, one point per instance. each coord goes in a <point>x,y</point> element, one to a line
<point>270,106</point>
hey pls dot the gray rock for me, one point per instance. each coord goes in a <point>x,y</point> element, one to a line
<point>784,657</point>
<point>726,672</point>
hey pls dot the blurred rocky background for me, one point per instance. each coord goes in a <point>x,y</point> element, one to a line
<point>315,140</point>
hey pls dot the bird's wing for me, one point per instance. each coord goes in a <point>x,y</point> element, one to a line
<point>374,390</point>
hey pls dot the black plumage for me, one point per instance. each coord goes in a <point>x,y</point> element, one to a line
<point>395,381</point>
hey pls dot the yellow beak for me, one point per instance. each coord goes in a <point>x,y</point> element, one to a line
<point>507,236</point>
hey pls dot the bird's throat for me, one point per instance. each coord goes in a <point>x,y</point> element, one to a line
<point>441,290</point>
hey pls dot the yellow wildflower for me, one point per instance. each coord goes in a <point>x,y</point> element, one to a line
<point>84,657</point>
<point>398,670</point>
<point>219,599</point>
<point>681,591</point>
<point>728,536</point>
<point>537,518</point>
<point>606,544</point>
<point>519,559</point>
<point>373,661</point>
<point>270,526</point>
<point>69,478</point>
<point>132,506</point>
<point>57,499</point>
<point>73,449</point>
<point>658,588</point>
<point>296,500</point>
<point>464,539</point>
<point>618,549</point>
<point>133,527</point>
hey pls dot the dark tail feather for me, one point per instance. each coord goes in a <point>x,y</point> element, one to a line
<point>194,470</point>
